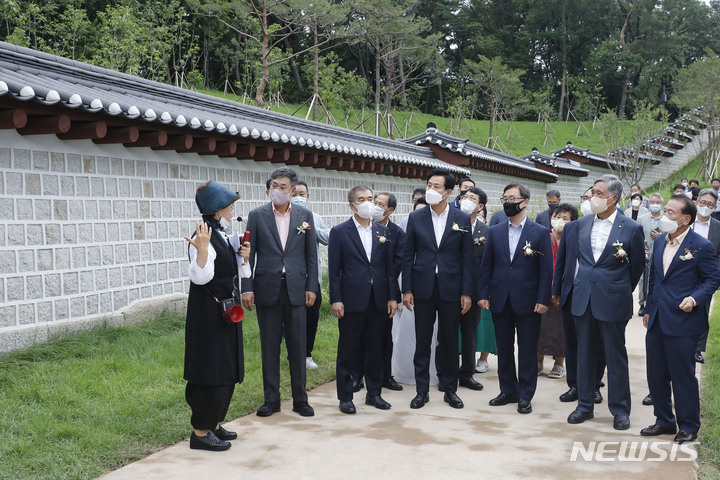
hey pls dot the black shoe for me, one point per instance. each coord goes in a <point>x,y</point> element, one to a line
<point>504,399</point>
<point>683,436</point>
<point>347,407</point>
<point>699,358</point>
<point>357,385</point>
<point>647,400</point>
<point>655,430</point>
<point>570,396</point>
<point>621,422</point>
<point>304,409</point>
<point>597,397</point>
<point>391,384</point>
<point>420,400</point>
<point>268,409</point>
<point>223,434</point>
<point>524,406</point>
<point>641,312</point>
<point>377,402</point>
<point>208,442</point>
<point>470,383</point>
<point>441,388</point>
<point>453,400</point>
<point>579,416</point>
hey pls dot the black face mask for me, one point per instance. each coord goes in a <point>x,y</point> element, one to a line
<point>512,209</point>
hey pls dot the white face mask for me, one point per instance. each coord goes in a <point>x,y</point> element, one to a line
<point>667,225</point>
<point>598,205</point>
<point>585,208</point>
<point>704,211</point>
<point>636,202</point>
<point>365,210</point>
<point>378,214</point>
<point>655,207</point>
<point>432,197</point>
<point>467,206</point>
<point>688,194</point>
<point>558,224</point>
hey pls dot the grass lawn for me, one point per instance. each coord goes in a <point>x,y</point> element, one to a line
<point>709,449</point>
<point>93,401</point>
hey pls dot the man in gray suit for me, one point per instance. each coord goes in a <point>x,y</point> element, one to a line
<point>283,258</point>
<point>708,228</point>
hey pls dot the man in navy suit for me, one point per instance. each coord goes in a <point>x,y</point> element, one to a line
<point>437,279</point>
<point>553,200</point>
<point>610,261</point>
<point>363,293</point>
<point>515,282</point>
<point>683,278</point>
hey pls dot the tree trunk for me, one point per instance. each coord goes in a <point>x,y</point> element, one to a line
<point>440,95</point>
<point>403,93</point>
<point>316,73</point>
<point>293,65</point>
<point>623,47</point>
<point>265,53</point>
<point>492,114</point>
<point>426,110</point>
<point>238,48</point>
<point>389,84</point>
<point>563,48</point>
<point>377,72</point>
<point>623,96</point>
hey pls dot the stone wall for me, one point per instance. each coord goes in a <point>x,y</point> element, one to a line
<point>92,233</point>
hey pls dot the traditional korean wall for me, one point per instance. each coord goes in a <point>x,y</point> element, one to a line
<point>92,233</point>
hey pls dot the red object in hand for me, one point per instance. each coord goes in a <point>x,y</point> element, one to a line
<point>246,237</point>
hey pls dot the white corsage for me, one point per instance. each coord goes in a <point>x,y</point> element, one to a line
<point>528,251</point>
<point>620,253</point>
<point>304,226</point>
<point>456,228</point>
<point>479,241</point>
<point>688,255</point>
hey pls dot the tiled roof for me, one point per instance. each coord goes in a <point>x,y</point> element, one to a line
<point>33,76</point>
<point>556,162</point>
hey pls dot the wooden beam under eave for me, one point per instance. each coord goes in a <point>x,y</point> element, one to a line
<point>245,151</point>
<point>119,135</point>
<point>224,149</point>
<point>153,139</point>
<point>334,163</point>
<point>44,125</point>
<point>203,146</point>
<point>84,130</point>
<point>296,158</point>
<point>15,118</point>
<point>281,156</point>
<point>177,142</point>
<point>264,154</point>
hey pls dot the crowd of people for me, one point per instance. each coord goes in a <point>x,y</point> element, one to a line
<point>426,301</point>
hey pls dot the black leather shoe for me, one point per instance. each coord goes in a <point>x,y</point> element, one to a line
<point>699,358</point>
<point>570,396</point>
<point>621,422</point>
<point>268,409</point>
<point>683,436</point>
<point>647,400</point>
<point>470,383</point>
<point>641,312</point>
<point>655,430</point>
<point>453,400</point>
<point>579,416</point>
<point>391,384</point>
<point>504,399</point>
<point>524,406</point>
<point>208,442</point>
<point>223,434</point>
<point>357,385</point>
<point>420,400</point>
<point>597,397</point>
<point>347,407</point>
<point>377,401</point>
<point>304,409</point>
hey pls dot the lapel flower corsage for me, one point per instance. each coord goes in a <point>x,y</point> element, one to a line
<point>479,241</point>
<point>688,255</point>
<point>456,228</point>
<point>381,238</point>
<point>528,251</point>
<point>304,226</point>
<point>620,253</point>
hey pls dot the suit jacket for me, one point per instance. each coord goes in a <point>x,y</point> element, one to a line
<point>565,263</point>
<point>421,255</point>
<point>397,237</point>
<point>498,217</point>
<point>267,257</point>
<point>526,279</point>
<point>607,284</point>
<point>698,277</point>
<point>543,218</point>
<point>352,276</point>
<point>479,233</point>
<point>641,211</point>
<point>714,237</point>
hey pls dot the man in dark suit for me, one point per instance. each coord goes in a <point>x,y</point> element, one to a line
<point>515,282</point>
<point>437,279</point>
<point>363,293</point>
<point>610,261</point>
<point>683,278</point>
<point>708,228</point>
<point>385,205</point>
<point>553,200</point>
<point>283,258</point>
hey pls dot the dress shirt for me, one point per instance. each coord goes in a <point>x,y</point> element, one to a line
<point>201,276</point>
<point>702,228</point>
<point>600,233</point>
<point>439,223</point>
<point>671,249</point>
<point>655,222</point>
<point>365,237</point>
<point>283,224</point>
<point>514,235</point>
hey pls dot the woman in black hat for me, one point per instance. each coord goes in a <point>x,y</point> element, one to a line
<point>214,360</point>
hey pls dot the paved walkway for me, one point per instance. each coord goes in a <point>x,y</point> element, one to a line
<point>433,442</point>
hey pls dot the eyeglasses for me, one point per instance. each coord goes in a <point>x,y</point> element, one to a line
<point>511,199</point>
<point>703,203</point>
